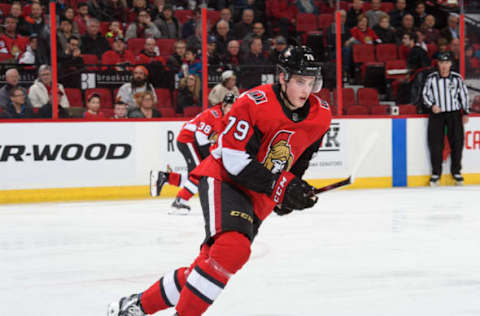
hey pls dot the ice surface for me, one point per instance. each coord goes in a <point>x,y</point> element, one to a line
<point>389,252</point>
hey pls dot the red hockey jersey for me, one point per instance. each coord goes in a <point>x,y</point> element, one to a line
<point>263,137</point>
<point>201,127</point>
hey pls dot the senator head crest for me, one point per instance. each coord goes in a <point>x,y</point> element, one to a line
<point>279,156</point>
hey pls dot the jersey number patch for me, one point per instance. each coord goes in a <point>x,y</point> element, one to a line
<point>241,128</point>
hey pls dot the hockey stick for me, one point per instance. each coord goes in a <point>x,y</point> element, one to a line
<point>372,139</point>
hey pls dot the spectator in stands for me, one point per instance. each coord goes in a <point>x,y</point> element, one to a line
<point>69,14</point>
<point>226,15</point>
<point>130,92</point>
<point>146,109</point>
<point>258,31</point>
<point>307,6</point>
<point>455,54</point>
<point>82,17</point>
<point>373,15</point>
<point>451,31</point>
<point>428,28</point>
<point>120,110</point>
<point>93,42</point>
<point>195,41</point>
<point>71,63</point>
<point>362,34</point>
<point>396,16</point>
<point>174,61</point>
<point>245,26</point>
<point>95,10</point>
<point>213,58</point>
<point>284,12</point>
<point>111,10</point>
<point>167,23</point>
<point>228,84</point>
<point>353,13</point>
<point>421,40</point>
<point>408,26</point>
<point>64,32</point>
<point>443,47</point>
<point>138,5</point>
<point>419,14</point>
<point>417,57</point>
<point>17,107</point>
<point>192,64</point>
<point>279,46</point>
<point>12,78</point>
<point>232,57</point>
<point>188,28</point>
<point>150,53</point>
<point>223,36</point>
<point>39,93</point>
<point>35,21</point>
<point>22,25</point>
<point>115,30</point>
<point>384,31</point>
<point>93,107</point>
<point>143,28</point>
<point>189,92</point>
<point>256,62</point>
<point>31,55</point>
<point>119,56</point>
<point>10,42</point>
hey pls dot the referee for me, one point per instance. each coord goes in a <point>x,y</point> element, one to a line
<point>446,95</point>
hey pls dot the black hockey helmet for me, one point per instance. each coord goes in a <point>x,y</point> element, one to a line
<point>229,98</point>
<point>300,60</point>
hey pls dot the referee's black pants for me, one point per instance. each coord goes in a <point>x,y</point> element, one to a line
<point>436,133</point>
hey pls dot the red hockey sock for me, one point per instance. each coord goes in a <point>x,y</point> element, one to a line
<point>174,178</point>
<point>184,194</point>
<point>207,279</point>
<point>165,292</point>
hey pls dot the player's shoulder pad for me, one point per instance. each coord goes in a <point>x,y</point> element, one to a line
<point>322,103</point>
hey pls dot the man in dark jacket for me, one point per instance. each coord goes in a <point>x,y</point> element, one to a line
<point>18,108</point>
<point>93,42</point>
<point>12,77</point>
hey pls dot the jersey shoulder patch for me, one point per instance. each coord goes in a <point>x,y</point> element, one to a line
<point>322,103</point>
<point>215,113</point>
<point>258,96</point>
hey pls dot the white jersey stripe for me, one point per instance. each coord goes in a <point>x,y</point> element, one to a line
<point>196,159</point>
<point>211,205</point>
<point>203,285</point>
<point>190,186</point>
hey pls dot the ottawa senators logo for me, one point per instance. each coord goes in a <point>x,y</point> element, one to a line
<point>279,156</point>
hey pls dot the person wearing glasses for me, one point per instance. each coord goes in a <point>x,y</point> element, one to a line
<point>18,108</point>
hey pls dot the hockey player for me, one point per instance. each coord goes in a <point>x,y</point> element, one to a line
<point>193,142</point>
<point>256,166</point>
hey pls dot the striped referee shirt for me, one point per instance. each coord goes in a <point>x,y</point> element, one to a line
<point>449,93</point>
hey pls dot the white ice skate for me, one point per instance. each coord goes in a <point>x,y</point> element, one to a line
<point>127,306</point>
<point>179,207</point>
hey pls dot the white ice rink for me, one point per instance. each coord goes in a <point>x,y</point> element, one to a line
<point>389,252</point>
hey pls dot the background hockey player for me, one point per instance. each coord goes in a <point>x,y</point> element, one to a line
<point>259,160</point>
<point>193,142</point>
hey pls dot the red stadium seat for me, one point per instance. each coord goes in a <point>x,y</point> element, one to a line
<point>431,49</point>
<point>183,15</point>
<point>26,10</point>
<point>367,96</point>
<point>5,8</point>
<point>135,45</point>
<point>104,27</point>
<point>399,64</point>
<point>108,113</point>
<point>167,112</point>
<point>90,61</point>
<point>476,104</point>
<point>348,97</point>
<point>5,56</point>
<point>164,98</point>
<point>357,110</point>
<point>165,45</point>
<point>306,22</point>
<point>213,16</point>
<point>191,111</point>
<point>387,7</point>
<point>325,20</point>
<point>379,110</point>
<point>407,109</point>
<point>403,52</point>
<point>105,96</point>
<point>363,53</point>
<point>74,97</point>
<point>386,52</point>
<point>324,94</point>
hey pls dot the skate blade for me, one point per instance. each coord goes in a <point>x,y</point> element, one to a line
<point>179,212</point>
<point>153,183</point>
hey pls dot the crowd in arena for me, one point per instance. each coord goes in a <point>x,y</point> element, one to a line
<point>156,47</point>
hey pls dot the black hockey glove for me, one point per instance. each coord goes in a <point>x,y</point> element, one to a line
<point>292,192</point>
<point>282,210</point>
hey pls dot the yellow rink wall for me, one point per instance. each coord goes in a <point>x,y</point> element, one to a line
<point>75,161</point>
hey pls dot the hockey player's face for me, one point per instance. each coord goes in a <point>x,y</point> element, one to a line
<point>298,88</point>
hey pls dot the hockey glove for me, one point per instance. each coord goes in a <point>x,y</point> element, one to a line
<point>292,192</point>
<point>282,210</point>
